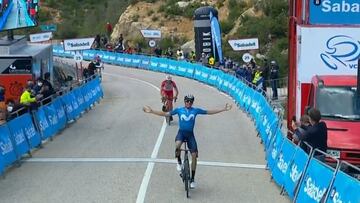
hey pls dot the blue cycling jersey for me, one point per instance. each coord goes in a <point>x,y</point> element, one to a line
<point>187,117</point>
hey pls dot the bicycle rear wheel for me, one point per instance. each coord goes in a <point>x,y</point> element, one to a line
<point>186,176</point>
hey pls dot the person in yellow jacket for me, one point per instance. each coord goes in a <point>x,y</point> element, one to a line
<point>211,61</point>
<point>27,98</point>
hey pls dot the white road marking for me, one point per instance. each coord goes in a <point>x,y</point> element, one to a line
<point>140,160</point>
<point>145,182</point>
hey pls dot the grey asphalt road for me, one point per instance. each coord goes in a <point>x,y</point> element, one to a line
<point>117,153</point>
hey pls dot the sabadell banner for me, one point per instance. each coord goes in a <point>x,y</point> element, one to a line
<point>327,51</point>
<point>340,12</point>
<point>78,44</point>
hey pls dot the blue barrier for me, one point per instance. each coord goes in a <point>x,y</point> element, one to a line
<point>274,148</point>
<point>45,128</point>
<point>316,181</point>
<point>294,172</point>
<point>283,161</point>
<point>6,147</point>
<point>17,135</point>
<point>2,164</point>
<point>61,115</point>
<point>80,99</point>
<point>52,118</point>
<point>32,135</point>
<point>344,189</point>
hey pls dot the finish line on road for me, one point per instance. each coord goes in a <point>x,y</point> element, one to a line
<point>140,160</point>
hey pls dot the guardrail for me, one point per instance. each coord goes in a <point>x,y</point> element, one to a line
<point>301,175</point>
<point>27,131</point>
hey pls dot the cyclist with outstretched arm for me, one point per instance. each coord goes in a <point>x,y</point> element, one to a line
<point>187,115</point>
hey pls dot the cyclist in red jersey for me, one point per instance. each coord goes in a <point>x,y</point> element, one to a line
<point>167,92</point>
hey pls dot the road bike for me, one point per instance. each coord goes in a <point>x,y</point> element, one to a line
<point>185,170</point>
<point>167,106</point>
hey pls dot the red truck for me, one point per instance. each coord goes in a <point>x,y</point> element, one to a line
<point>336,98</point>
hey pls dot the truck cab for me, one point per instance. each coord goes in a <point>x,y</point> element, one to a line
<point>336,98</point>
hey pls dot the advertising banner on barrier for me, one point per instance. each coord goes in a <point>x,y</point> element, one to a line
<point>212,79</point>
<point>181,66</point>
<point>75,105</point>
<point>136,61</point>
<point>2,164</point>
<point>162,64</point>
<point>31,133</point>
<point>283,161</point>
<point>44,124</point>
<point>145,60</point>
<point>344,189</point>
<point>172,67</point>
<point>294,171</point>
<point>80,99</point>
<point>220,80</point>
<point>52,118</point>
<point>18,136</point>
<point>66,101</point>
<point>274,148</point>
<point>190,70</point>
<point>60,113</point>
<point>112,57</point>
<point>317,179</point>
<point>154,64</point>
<point>87,95</point>
<point>6,147</point>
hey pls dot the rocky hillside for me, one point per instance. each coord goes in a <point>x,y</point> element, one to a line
<point>143,15</point>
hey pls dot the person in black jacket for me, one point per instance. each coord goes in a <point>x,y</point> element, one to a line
<point>274,77</point>
<point>316,134</point>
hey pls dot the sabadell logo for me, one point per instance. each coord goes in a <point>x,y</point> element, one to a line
<point>78,44</point>
<point>328,6</point>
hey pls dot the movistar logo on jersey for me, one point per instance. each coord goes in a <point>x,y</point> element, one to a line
<point>335,12</point>
<point>183,117</point>
<point>341,51</point>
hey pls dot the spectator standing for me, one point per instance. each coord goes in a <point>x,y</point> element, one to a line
<point>120,44</point>
<point>211,61</point>
<point>315,135</point>
<point>169,53</point>
<point>192,56</point>
<point>265,71</point>
<point>47,88</point>
<point>109,29</point>
<point>203,59</point>
<point>274,77</point>
<point>158,51</point>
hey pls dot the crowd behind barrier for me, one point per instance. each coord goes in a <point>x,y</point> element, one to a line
<point>27,131</point>
<point>300,175</point>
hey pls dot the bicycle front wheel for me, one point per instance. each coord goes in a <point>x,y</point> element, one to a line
<point>187,176</point>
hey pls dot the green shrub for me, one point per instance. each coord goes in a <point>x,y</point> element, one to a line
<point>135,18</point>
<point>226,26</point>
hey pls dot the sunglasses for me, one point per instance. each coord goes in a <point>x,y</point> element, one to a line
<point>188,101</point>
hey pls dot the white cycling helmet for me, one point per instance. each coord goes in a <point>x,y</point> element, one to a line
<point>168,77</point>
